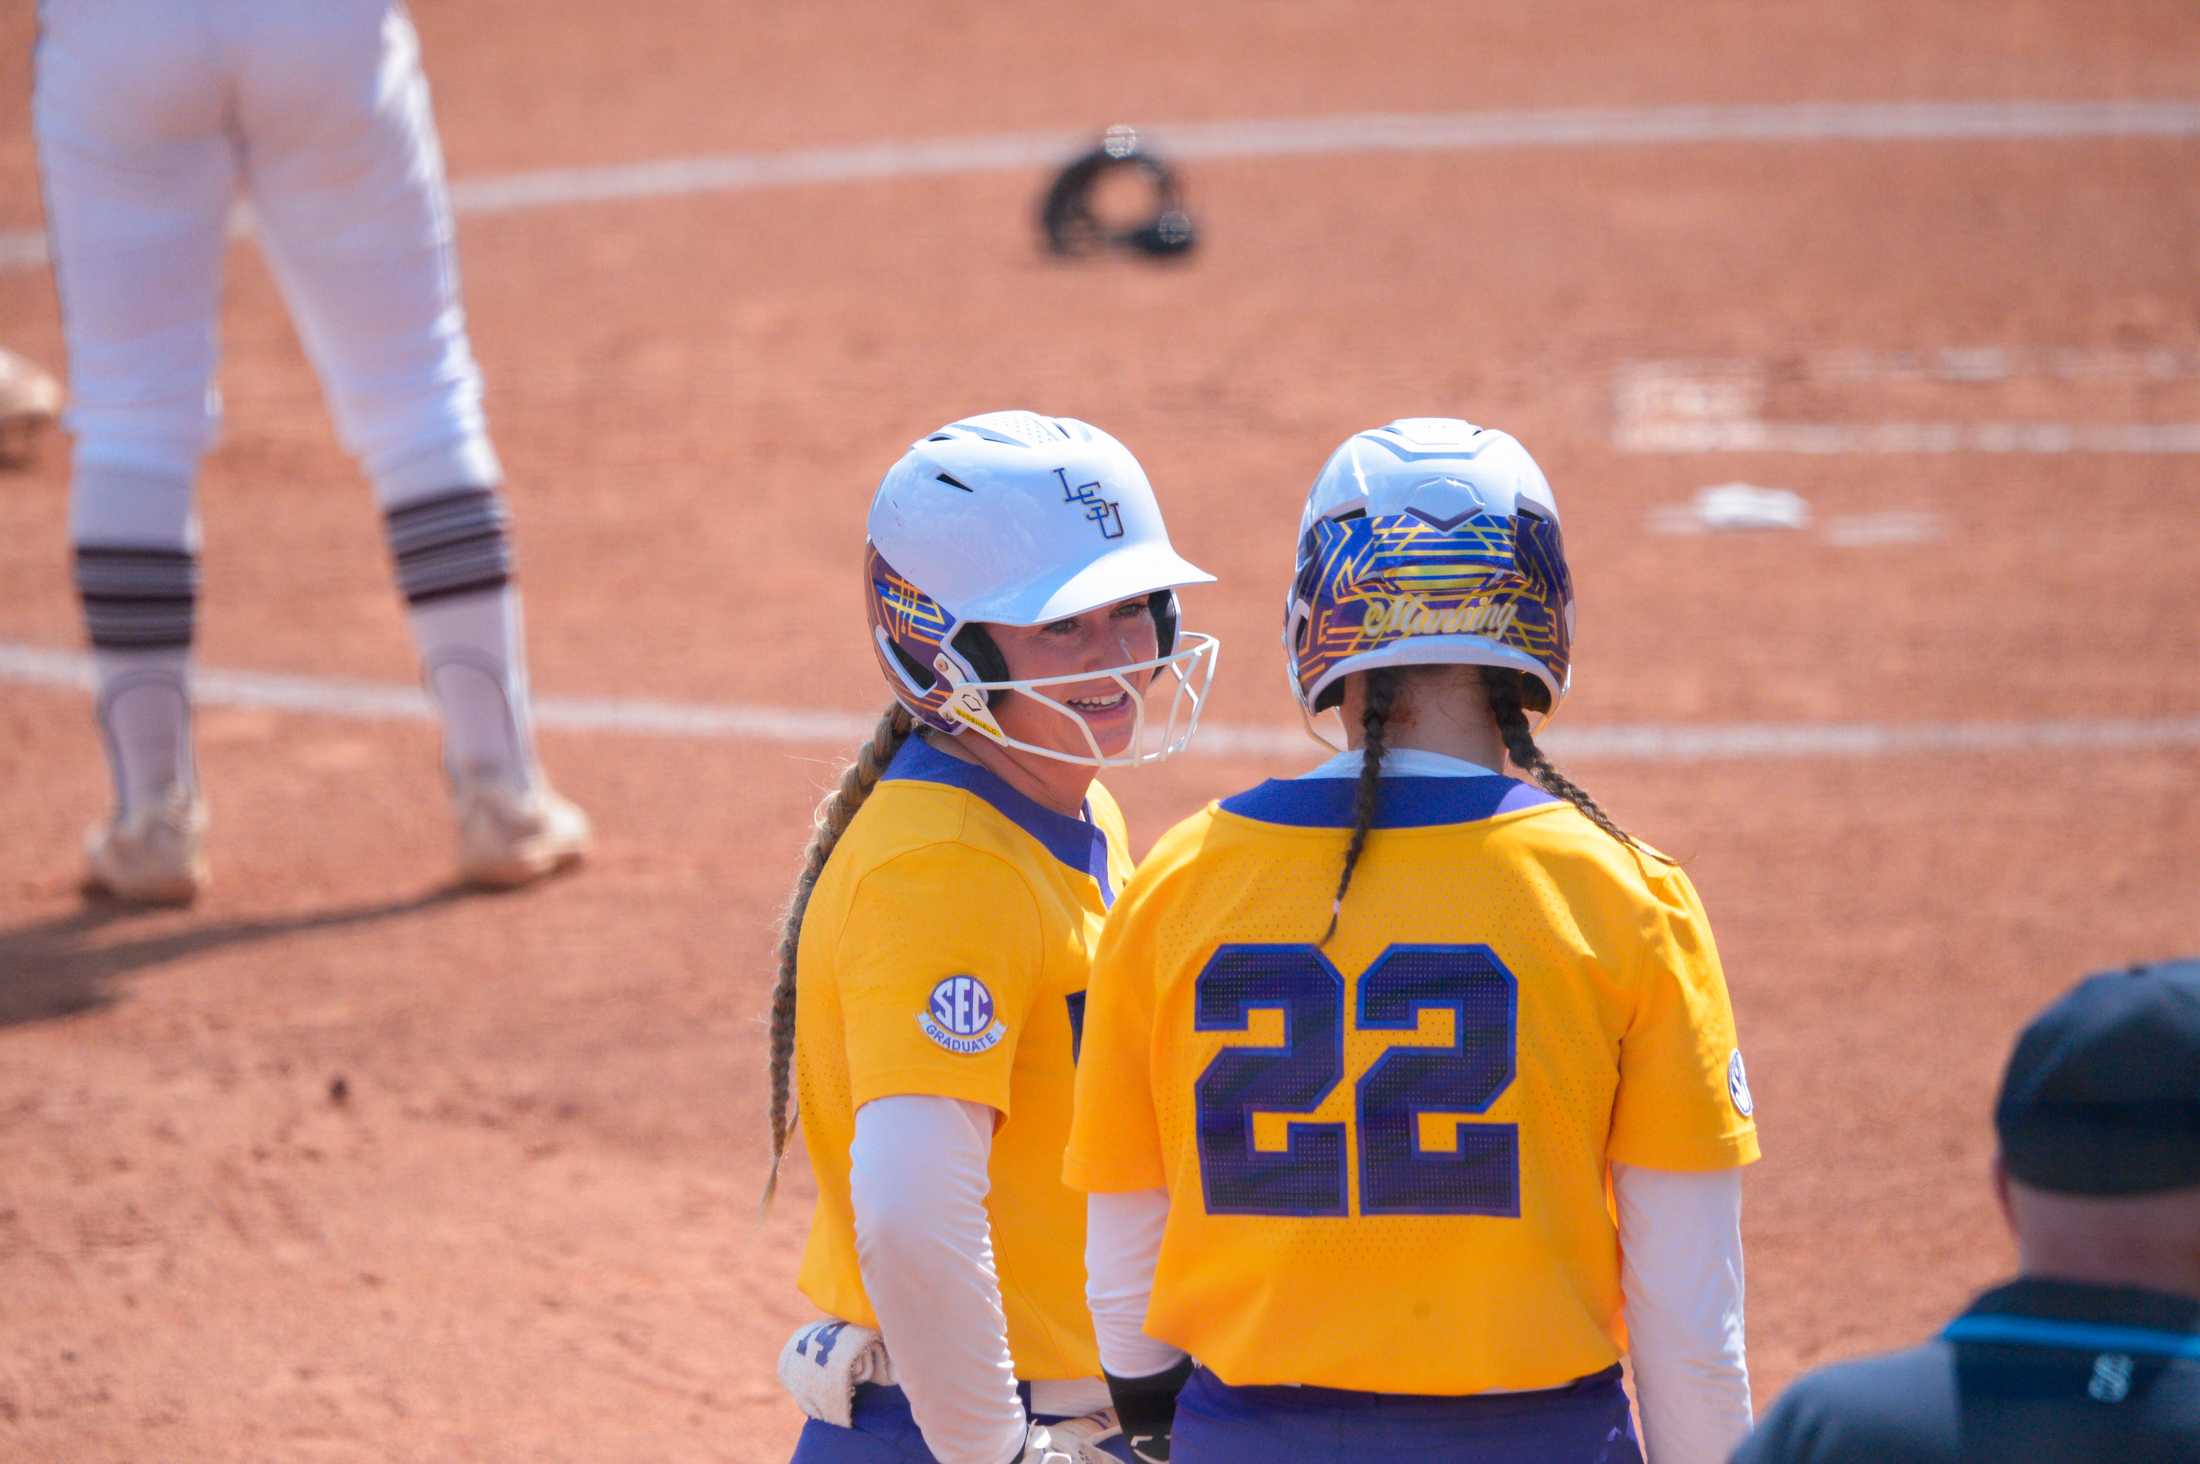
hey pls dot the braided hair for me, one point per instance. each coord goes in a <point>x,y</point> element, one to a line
<point>834,813</point>
<point>1512,724</point>
<point>1507,709</point>
<point>1382,695</point>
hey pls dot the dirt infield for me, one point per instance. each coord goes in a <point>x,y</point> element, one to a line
<point>343,1165</point>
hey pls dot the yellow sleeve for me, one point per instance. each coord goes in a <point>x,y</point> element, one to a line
<point>1114,1137</point>
<point>937,964</point>
<point>1684,1098</point>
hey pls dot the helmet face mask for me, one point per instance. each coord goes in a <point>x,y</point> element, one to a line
<point>1185,675</point>
<point>1429,542</point>
<point>1016,519</point>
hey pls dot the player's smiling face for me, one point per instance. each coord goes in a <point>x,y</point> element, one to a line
<point>1119,634</point>
<point>1099,640</point>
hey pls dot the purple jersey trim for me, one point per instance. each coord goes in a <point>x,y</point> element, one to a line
<point>1406,803</point>
<point>1076,842</point>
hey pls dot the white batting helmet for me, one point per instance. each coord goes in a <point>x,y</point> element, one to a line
<point>1013,518</point>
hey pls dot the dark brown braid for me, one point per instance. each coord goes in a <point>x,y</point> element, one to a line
<point>834,813</point>
<point>1512,725</point>
<point>1382,694</point>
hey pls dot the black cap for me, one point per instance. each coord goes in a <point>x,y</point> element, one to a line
<point>2102,1095</point>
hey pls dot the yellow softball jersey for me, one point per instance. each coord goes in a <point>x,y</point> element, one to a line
<point>1388,1157</point>
<point>945,951</point>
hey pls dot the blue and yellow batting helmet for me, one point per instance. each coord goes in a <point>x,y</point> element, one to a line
<point>1429,542</point>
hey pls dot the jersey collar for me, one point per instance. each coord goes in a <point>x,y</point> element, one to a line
<point>1075,842</point>
<point>1405,803</point>
<point>1402,762</point>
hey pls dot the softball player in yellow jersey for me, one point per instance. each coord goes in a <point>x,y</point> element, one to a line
<point>1021,588</point>
<point>1405,1082</point>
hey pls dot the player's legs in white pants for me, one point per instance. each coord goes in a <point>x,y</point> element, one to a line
<point>148,114</point>
<point>345,174</point>
<point>136,197</point>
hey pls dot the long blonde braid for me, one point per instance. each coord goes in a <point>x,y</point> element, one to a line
<point>834,813</point>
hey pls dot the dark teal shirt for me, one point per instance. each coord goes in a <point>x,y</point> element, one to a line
<point>2035,1370</point>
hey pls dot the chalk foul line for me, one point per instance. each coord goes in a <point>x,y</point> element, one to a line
<point>790,726</point>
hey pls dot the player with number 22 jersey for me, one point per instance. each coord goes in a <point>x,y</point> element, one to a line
<point>1362,1135</point>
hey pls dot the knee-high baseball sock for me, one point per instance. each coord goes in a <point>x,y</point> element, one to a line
<point>136,567</point>
<point>453,557</point>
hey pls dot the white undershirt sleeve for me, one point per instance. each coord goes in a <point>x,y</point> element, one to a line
<point>1681,1277</point>
<point>1122,1246</point>
<point>918,1184</point>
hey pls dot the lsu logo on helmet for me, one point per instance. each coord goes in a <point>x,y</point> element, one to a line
<point>1019,519</point>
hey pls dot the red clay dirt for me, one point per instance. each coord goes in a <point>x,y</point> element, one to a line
<point>344,1165</point>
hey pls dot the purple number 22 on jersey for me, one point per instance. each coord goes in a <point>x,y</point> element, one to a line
<point>1478,1175</point>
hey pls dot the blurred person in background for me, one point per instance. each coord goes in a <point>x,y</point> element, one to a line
<point>2093,1352</point>
<point>151,118</point>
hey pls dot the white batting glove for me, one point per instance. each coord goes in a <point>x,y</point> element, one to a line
<point>822,1363</point>
<point>1080,1438</point>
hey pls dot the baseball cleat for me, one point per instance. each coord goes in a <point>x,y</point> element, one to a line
<point>511,837</point>
<point>30,399</point>
<point>152,856</point>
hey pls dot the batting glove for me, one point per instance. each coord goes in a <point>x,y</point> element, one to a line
<point>1147,1408</point>
<point>822,1363</point>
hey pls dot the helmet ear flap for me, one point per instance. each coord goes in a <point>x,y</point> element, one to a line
<point>975,644</point>
<point>919,676</point>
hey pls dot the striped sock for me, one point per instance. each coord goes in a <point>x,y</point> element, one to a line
<point>138,599</point>
<point>453,556</point>
<point>452,543</point>
<point>140,608</point>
